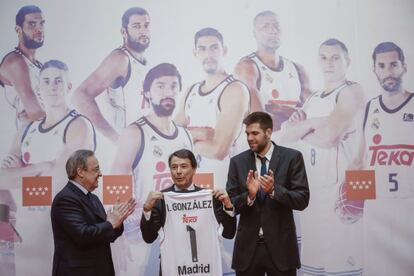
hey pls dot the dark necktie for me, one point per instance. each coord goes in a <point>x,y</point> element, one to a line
<point>92,201</point>
<point>263,171</point>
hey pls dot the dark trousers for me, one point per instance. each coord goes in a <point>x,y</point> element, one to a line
<point>262,264</point>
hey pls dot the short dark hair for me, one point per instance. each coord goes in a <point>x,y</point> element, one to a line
<point>333,42</point>
<point>161,70</point>
<point>20,16</point>
<point>264,13</point>
<point>208,32</point>
<point>78,159</point>
<point>54,63</point>
<point>388,46</point>
<point>131,11</point>
<point>262,118</point>
<point>184,154</point>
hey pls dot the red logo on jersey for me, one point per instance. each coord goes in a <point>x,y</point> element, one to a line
<point>162,179</point>
<point>189,219</point>
<point>37,191</point>
<point>116,186</point>
<point>360,185</point>
<point>387,155</point>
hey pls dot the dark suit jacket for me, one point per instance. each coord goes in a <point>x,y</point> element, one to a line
<point>150,227</point>
<point>275,215</point>
<point>81,235</point>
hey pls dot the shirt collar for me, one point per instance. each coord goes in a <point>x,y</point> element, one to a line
<point>190,188</point>
<point>79,186</point>
<point>269,153</point>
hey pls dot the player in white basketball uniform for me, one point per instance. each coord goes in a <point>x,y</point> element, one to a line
<point>213,109</point>
<point>42,149</point>
<point>125,100</point>
<point>19,72</point>
<point>325,132</point>
<point>120,75</point>
<point>276,84</point>
<point>389,143</point>
<point>187,218</point>
<point>144,147</point>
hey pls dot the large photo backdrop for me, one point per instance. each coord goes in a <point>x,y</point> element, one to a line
<point>136,80</point>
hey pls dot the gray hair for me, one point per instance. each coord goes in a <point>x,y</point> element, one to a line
<point>78,159</point>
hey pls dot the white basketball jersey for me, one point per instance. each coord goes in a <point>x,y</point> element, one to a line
<point>389,219</point>
<point>190,236</point>
<point>278,86</point>
<point>150,168</point>
<point>10,94</point>
<point>389,136</point>
<point>126,96</point>
<point>202,110</point>
<point>321,228</point>
<point>335,160</point>
<point>40,144</point>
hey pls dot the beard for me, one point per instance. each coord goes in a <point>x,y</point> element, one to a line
<point>30,43</point>
<point>392,87</point>
<point>136,45</point>
<point>209,69</point>
<point>164,110</point>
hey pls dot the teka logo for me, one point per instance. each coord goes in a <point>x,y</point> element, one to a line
<point>388,155</point>
<point>189,219</point>
<point>37,191</point>
<point>162,177</point>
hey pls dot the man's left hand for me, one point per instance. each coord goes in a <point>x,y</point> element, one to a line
<point>267,182</point>
<point>222,195</point>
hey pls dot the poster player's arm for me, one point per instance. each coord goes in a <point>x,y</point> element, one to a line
<point>14,71</point>
<point>298,126</point>
<point>12,168</point>
<point>247,72</point>
<point>304,83</point>
<point>112,67</point>
<point>234,106</point>
<point>350,102</point>
<point>128,145</point>
<point>360,161</point>
<point>180,118</point>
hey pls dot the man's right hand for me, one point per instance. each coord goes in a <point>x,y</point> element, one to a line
<point>120,212</point>
<point>151,199</point>
<point>252,184</point>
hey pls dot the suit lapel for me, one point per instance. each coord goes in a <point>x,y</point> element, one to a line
<point>85,200</point>
<point>274,161</point>
<point>251,162</point>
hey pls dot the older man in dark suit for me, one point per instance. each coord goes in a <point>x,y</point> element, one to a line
<point>265,184</point>
<point>82,231</point>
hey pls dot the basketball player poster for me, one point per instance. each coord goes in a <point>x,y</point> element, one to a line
<point>108,53</point>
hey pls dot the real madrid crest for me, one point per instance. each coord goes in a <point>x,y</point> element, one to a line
<point>157,151</point>
<point>375,124</point>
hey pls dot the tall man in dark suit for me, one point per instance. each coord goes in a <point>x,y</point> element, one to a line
<point>82,231</point>
<point>266,237</point>
<point>183,166</point>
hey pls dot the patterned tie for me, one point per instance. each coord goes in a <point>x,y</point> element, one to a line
<point>263,171</point>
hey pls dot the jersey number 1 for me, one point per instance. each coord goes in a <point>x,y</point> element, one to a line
<point>193,242</point>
